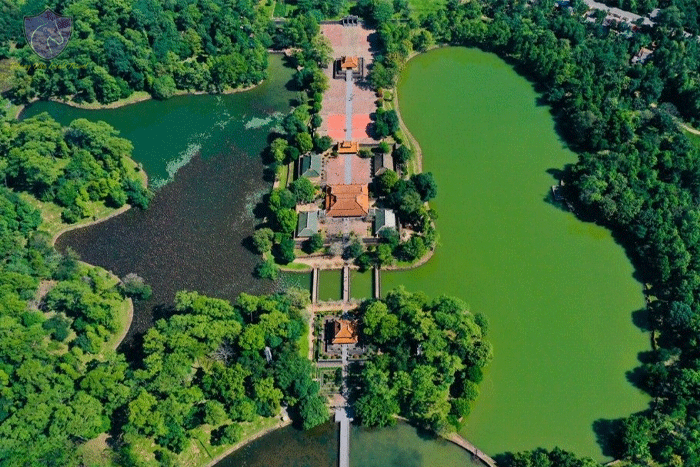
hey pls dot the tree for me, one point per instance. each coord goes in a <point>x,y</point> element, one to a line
<point>401,155</point>
<point>277,149</point>
<point>353,250</point>
<point>386,123</point>
<point>281,198</point>
<point>314,243</point>
<point>286,220</point>
<point>386,181</point>
<point>304,142</point>
<point>313,411</point>
<point>323,143</point>
<point>262,239</point>
<point>286,250</point>
<point>135,287</point>
<point>426,186</point>
<point>163,87</point>
<point>303,190</point>
<point>267,270</point>
<point>413,249</point>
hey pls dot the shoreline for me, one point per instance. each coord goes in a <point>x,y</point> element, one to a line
<point>131,100</point>
<point>250,439</point>
<point>458,440</point>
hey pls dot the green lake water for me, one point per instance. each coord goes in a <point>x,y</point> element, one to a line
<point>361,284</point>
<point>403,446</point>
<point>330,285</point>
<point>559,293</point>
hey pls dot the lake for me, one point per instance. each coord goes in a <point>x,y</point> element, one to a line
<point>559,293</point>
<point>202,154</point>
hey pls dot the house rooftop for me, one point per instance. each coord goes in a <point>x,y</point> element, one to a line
<point>347,201</point>
<point>310,166</point>
<point>347,63</point>
<point>344,332</point>
<point>384,219</point>
<point>308,224</point>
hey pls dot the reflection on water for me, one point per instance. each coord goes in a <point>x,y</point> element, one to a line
<point>289,447</point>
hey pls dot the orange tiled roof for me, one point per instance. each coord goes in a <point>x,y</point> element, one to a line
<point>347,201</point>
<point>349,62</point>
<point>345,332</point>
<point>348,147</point>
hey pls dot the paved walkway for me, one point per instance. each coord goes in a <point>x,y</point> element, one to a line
<point>348,105</point>
<point>341,416</point>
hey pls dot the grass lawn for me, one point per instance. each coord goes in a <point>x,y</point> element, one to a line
<point>423,7</point>
<point>304,343</point>
<point>266,7</point>
<point>96,452</point>
<point>295,267</point>
<point>280,10</point>
<point>695,139</point>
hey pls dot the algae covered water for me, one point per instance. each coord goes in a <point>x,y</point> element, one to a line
<point>559,293</point>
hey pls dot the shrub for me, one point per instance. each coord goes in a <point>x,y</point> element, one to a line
<point>135,287</point>
<point>267,270</point>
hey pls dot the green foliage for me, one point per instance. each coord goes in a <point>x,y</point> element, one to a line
<point>116,49</point>
<point>227,434</point>
<point>425,185</point>
<point>401,155</point>
<point>303,190</point>
<point>135,287</point>
<point>286,220</point>
<point>426,351</point>
<point>543,458</point>
<point>386,123</point>
<point>71,167</point>
<point>323,143</point>
<point>304,142</point>
<point>267,270</point>
<point>285,250</point>
<point>163,87</point>
<point>281,198</point>
<point>354,249</point>
<point>262,239</point>
<point>314,243</point>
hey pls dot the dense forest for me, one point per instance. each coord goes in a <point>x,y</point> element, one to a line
<point>119,47</point>
<point>427,361</point>
<point>72,167</point>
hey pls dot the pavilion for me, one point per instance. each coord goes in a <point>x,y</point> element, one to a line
<point>348,147</point>
<point>344,332</point>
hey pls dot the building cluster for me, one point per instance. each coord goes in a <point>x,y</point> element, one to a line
<point>344,178</point>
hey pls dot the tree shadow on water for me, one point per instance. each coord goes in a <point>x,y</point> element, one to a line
<point>607,433</point>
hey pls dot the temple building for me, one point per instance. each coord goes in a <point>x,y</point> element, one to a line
<point>347,201</point>
<point>344,332</point>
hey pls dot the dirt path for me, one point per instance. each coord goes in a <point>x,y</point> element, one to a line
<point>689,129</point>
